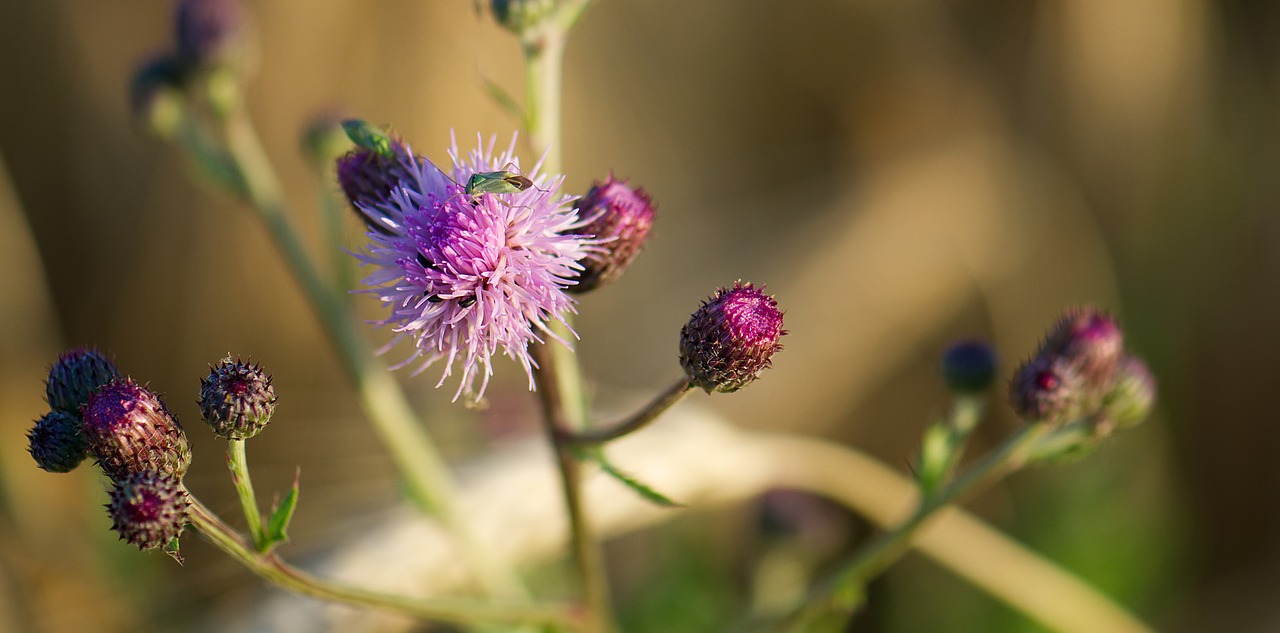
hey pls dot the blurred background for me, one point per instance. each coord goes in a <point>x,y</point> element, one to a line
<point>899,174</point>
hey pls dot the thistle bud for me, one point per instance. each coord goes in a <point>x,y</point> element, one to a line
<point>1089,339</point>
<point>1132,395</point>
<point>731,338</point>
<point>155,95</point>
<point>620,217</point>
<point>210,33</point>
<point>75,375</point>
<point>373,170</point>
<point>969,367</point>
<point>518,15</point>
<point>148,509</point>
<point>237,399</point>
<point>1046,389</point>
<point>55,442</point>
<point>130,430</point>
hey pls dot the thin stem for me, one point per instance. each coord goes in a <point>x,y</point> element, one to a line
<point>841,596</point>
<point>332,211</point>
<point>272,568</point>
<point>659,405</point>
<point>239,465</point>
<point>965,416</point>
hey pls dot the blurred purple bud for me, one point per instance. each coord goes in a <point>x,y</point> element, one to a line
<point>619,217</point>
<point>969,366</point>
<point>1132,395</point>
<point>1046,389</point>
<point>1089,339</point>
<point>209,32</point>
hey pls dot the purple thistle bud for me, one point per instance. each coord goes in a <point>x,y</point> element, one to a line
<point>1046,389</point>
<point>1132,395</point>
<point>76,374</point>
<point>619,218</point>
<point>1089,339</point>
<point>130,430</point>
<point>731,338</point>
<point>237,399</point>
<point>209,32</point>
<point>55,442</point>
<point>969,366</point>
<point>368,179</point>
<point>148,509</point>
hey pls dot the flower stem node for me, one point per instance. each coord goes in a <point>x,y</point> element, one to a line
<point>130,430</point>
<point>56,443</point>
<point>731,338</point>
<point>237,399</point>
<point>76,374</point>
<point>148,509</point>
<point>969,367</point>
<point>619,218</point>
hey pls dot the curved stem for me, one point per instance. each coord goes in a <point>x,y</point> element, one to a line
<point>272,568</point>
<point>239,466</point>
<point>659,405</point>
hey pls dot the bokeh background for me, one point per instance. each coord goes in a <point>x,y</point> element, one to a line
<point>899,174</point>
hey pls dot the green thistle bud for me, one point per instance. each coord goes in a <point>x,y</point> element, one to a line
<point>237,399</point>
<point>75,375</point>
<point>148,509</point>
<point>1133,394</point>
<point>130,430</point>
<point>56,442</point>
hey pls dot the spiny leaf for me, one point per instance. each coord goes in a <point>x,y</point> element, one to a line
<point>277,530</point>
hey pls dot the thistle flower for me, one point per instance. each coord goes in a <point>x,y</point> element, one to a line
<point>237,399</point>
<point>465,274</point>
<point>130,430</point>
<point>76,374</point>
<point>148,509</point>
<point>731,338</point>
<point>969,366</point>
<point>1089,339</point>
<point>1047,389</point>
<point>55,442</point>
<point>620,218</point>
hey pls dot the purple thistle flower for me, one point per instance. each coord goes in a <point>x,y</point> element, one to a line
<point>465,275</point>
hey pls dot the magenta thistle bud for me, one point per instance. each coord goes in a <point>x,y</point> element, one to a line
<point>619,218</point>
<point>130,430</point>
<point>368,177</point>
<point>731,338</point>
<point>56,443</point>
<point>76,374</point>
<point>1046,389</point>
<point>1132,395</point>
<point>209,32</point>
<point>237,399</point>
<point>969,366</point>
<point>466,274</point>
<point>1089,339</point>
<point>148,509</point>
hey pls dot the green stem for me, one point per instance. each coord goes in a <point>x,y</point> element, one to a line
<point>239,466</point>
<point>332,210</point>
<point>272,568</point>
<point>659,405</point>
<point>844,593</point>
<point>965,416</point>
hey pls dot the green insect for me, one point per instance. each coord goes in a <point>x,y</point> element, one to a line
<point>495,182</point>
<point>365,135</point>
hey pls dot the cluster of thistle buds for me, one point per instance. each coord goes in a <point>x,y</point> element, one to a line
<point>1082,374</point>
<point>136,440</point>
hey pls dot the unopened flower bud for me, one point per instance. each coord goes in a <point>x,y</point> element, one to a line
<point>1132,395</point>
<point>130,430</point>
<point>148,509</point>
<point>155,95</point>
<point>75,375</point>
<point>1046,389</point>
<point>56,443</point>
<point>969,366</point>
<point>620,218</point>
<point>369,174</point>
<point>518,15</point>
<point>1089,339</point>
<point>731,338</point>
<point>210,33</point>
<point>237,399</point>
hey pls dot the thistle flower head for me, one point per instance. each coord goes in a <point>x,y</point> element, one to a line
<point>56,443</point>
<point>619,217</point>
<point>1047,389</point>
<point>237,399</point>
<point>731,338</point>
<point>467,274</point>
<point>76,374</point>
<point>1091,340</point>
<point>969,366</point>
<point>130,430</point>
<point>148,509</point>
<point>209,32</point>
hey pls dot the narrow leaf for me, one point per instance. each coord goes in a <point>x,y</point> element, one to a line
<point>277,529</point>
<point>648,493</point>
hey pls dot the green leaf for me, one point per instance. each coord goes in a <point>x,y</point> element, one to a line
<point>936,449</point>
<point>277,527</point>
<point>171,548</point>
<point>649,494</point>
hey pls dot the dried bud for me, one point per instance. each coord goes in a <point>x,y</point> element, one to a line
<point>210,33</point>
<point>731,338</point>
<point>55,442</point>
<point>1046,389</point>
<point>969,366</point>
<point>620,217</point>
<point>237,399</point>
<point>155,95</point>
<point>130,430</point>
<point>518,15</point>
<point>148,509</point>
<point>1133,394</point>
<point>1089,339</point>
<point>75,375</point>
